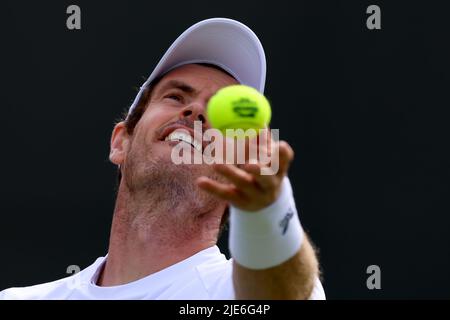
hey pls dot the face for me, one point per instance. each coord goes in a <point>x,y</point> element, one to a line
<point>179,99</point>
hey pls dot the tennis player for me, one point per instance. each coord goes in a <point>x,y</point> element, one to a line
<point>168,217</point>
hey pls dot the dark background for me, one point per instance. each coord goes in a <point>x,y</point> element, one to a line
<point>365,111</point>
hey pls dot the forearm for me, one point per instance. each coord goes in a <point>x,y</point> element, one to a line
<point>293,279</point>
<point>273,259</point>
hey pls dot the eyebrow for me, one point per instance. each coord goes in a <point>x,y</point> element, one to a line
<point>177,84</point>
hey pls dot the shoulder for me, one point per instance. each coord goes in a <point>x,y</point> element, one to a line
<point>318,293</point>
<point>217,279</point>
<point>55,290</point>
<point>40,291</point>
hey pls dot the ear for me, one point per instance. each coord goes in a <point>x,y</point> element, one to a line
<point>120,141</point>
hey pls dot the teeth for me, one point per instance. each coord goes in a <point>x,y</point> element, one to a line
<point>181,136</point>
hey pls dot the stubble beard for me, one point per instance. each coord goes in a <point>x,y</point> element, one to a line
<point>169,187</point>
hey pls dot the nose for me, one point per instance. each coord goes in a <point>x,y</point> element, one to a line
<point>194,111</point>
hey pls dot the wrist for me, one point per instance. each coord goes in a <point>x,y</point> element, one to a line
<point>267,237</point>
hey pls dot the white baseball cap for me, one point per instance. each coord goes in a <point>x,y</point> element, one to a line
<point>226,43</point>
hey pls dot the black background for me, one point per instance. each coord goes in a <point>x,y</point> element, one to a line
<point>366,112</point>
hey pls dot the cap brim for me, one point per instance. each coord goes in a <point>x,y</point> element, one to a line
<point>226,43</point>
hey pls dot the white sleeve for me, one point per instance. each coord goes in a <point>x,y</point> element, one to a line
<point>318,293</point>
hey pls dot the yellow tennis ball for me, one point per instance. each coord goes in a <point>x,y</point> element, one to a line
<point>238,107</point>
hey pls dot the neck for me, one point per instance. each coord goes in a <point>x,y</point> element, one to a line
<point>148,235</point>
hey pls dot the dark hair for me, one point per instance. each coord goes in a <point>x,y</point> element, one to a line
<point>133,118</point>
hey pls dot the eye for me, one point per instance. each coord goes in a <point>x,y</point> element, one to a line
<point>174,96</point>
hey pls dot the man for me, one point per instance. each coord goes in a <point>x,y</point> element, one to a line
<point>167,217</point>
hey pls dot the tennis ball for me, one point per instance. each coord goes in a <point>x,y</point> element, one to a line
<point>238,107</point>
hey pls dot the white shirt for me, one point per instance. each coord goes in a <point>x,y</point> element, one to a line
<point>205,275</point>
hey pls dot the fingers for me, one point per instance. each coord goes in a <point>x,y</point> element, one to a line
<point>240,178</point>
<point>250,174</point>
<point>286,155</point>
<point>273,161</point>
<point>223,191</point>
<point>264,182</point>
<point>249,188</point>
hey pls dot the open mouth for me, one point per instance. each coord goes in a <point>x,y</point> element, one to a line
<point>184,137</point>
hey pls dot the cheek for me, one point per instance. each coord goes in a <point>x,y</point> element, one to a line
<point>152,120</point>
